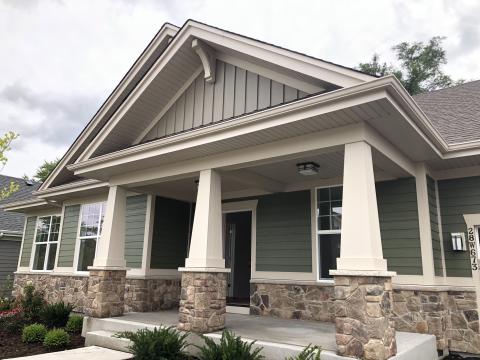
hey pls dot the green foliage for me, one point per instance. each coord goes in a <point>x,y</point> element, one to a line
<point>420,66</point>
<point>56,339</point>
<point>34,333</point>
<point>32,303</point>
<point>157,344</point>
<point>6,304</point>
<point>12,321</point>
<point>5,142</point>
<point>230,347</point>
<point>56,315</point>
<point>74,324</point>
<point>309,353</point>
<point>45,169</point>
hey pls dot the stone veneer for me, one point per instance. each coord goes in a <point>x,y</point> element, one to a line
<point>287,301</point>
<point>203,301</point>
<point>363,307</point>
<point>143,295</point>
<point>140,294</point>
<point>106,291</point>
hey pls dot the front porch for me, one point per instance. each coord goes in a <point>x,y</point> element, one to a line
<point>278,337</point>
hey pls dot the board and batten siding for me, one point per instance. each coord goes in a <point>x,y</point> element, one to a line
<point>235,92</point>
<point>69,236</point>
<point>170,233</point>
<point>284,232</point>
<point>136,213</point>
<point>434,227</point>
<point>28,241</point>
<point>9,251</point>
<point>399,227</point>
<point>457,197</point>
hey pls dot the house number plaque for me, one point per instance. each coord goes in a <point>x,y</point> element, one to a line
<point>472,248</point>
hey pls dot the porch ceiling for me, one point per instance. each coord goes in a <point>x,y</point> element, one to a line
<point>274,176</point>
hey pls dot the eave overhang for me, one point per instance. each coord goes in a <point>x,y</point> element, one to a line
<point>387,92</point>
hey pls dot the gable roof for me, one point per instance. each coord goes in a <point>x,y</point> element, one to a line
<point>14,221</point>
<point>168,42</point>
<point>454,111</point>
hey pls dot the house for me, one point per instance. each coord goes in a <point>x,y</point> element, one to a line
<point>11,228</point>
<point>224,173</point>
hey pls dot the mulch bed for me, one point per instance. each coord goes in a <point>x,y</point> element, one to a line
<point>11,345</point>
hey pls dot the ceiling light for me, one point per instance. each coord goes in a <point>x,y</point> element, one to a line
<point>307,168</point>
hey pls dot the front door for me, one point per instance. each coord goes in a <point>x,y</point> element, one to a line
<point>238,240</point>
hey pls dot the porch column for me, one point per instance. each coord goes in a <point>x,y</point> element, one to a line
<point>106,284</point>
<point>204,277</point>
<point>363,286</point>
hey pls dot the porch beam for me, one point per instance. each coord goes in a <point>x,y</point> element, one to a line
<point>361,245</point>
<point>311,143</point>
<point>206,248</point>
<point>111,246</point>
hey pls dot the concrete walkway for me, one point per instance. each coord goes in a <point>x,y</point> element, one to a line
<point>90,352</point>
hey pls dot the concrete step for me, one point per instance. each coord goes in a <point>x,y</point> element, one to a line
<point>107,340</point>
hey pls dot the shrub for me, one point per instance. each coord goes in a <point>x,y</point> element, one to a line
<point>34,333</point>
<point>74,324</point>
<point>12,321</point>
<point>56,315</point>
<point>6,304</point>
<point>56,339</point>
<point>230,347</point>
<point>309,353</point>
<point>32,303</point>
<point>157,344</point>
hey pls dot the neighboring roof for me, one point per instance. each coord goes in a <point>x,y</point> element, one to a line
<point>14,221</point>
<point>454,111</point>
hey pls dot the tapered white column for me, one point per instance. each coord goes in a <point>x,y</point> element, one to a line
<point>206,249</point>
<point>111,247</point>
<point>361,245</point>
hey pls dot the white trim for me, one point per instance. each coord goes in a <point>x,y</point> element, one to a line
<point>440,229</point>
<point>167,107</point>
<point>23,242</point>
<point>47,243</point>
<point>60,230</point>
<point>148,238</point>
<point>166,32</point>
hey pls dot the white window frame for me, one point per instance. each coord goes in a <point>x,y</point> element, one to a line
<point>322,232</point>
<point>48,243</point>
<point>80,238</point>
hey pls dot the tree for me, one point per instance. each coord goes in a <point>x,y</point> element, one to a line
<point>45,169</point>
<point>420,66</point>
<point>5,142</point>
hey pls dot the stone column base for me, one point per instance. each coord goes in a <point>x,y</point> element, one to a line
<point>106,292</point>
<point>363,307</point>
<point>202,301</point>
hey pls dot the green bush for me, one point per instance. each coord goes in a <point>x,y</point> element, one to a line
<point>56,315</point>
<point>74,324</point>
<point>56,339</point>
<point>230,347</point>
<point>6,304</point>
<point>32,303</point>
<point>12,321</point>
<point>34,333</point>
<point>309,353</point>
<point>157,344</point>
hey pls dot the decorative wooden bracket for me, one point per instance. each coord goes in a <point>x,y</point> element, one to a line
<point>208,58</point>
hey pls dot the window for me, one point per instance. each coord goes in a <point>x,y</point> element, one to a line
<point>91,221</point>
<point>329,224</point>
<point>46,242</point>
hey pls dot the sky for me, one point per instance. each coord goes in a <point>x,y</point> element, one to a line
<point>60,59</point>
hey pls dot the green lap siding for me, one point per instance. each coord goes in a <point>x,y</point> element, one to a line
<point>69,236</point>
<point>136,214</point>
<point>284,235</point>
<point>457,197</point>
<point>170,234</point>
<point>398,215</point>
<point>28,241</point>
<point>435,230</point>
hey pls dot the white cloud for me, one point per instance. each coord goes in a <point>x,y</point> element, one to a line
<point>62,58</point>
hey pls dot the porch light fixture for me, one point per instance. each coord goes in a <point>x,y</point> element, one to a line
<point>307,168</point>
<point>458,242</point>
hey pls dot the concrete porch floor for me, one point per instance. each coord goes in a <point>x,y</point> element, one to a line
<point>278,338</point>
<point>262,328</point>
